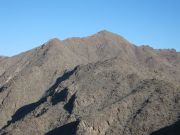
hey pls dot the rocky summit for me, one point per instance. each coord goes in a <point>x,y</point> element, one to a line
<point>97,85</point>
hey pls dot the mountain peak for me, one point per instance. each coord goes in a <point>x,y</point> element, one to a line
<point>110,35</point>
<point>54,41</point>
<point>105,32</point>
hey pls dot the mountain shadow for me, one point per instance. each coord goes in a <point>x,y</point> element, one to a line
<point>68,129</point>
<point>59,80</point>
<point>59,97</point>
<point>173,129</point>
<point>56,97</point>
<point>69,106</point>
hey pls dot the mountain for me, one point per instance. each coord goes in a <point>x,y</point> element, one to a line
<point>97,85</point>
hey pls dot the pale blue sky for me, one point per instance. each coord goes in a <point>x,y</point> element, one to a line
<point>25,24</point>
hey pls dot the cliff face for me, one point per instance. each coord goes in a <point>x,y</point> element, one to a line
<point>98,85</point>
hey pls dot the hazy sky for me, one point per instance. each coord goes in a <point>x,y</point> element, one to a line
<point>25,24</point>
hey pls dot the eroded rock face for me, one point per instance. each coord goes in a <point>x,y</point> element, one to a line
<point>99,85</point>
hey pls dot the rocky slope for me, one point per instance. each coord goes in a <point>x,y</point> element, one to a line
<point>98,85</point>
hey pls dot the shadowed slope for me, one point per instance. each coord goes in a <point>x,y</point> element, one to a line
<point>173,129</point>
<point>68,129</point>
